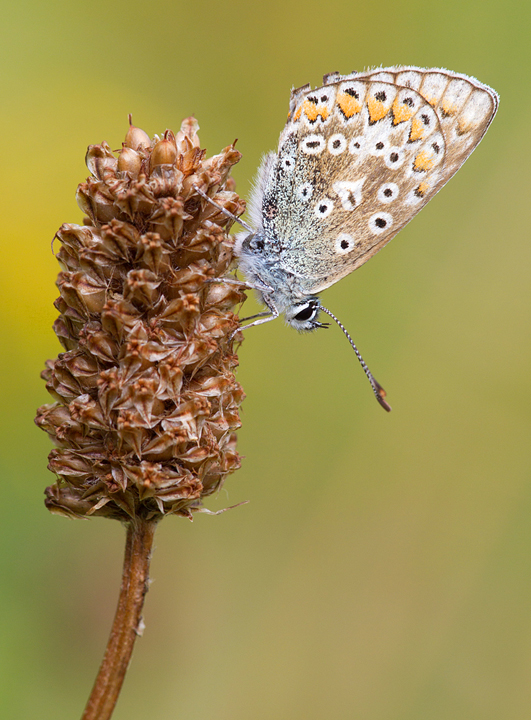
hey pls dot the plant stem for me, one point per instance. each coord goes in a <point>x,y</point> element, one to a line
<point>126,625</point>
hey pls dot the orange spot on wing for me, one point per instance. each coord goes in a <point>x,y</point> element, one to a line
<point>348,105</point>
<point>377,109</point>
<point>297,113</point>
<point>432,101</point>
<point>310,110</point>
<point>313,111</point>
<point>401,112</point>
<point>423,162</point>
<point>447,107</point>
<point>422,189</point>
<point>463,125</point>
<point>417,130</point>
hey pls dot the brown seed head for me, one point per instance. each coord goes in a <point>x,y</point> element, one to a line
<point>146,402</point>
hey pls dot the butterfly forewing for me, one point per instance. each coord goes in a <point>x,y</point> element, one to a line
<point>359,157</point>
<point>464,106</point>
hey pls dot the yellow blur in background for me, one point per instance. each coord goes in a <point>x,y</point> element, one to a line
<point>382,570</point>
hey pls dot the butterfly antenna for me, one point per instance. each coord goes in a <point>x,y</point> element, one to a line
<point>222,209</point>
<point>378,390</point>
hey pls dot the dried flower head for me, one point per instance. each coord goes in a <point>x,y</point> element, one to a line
<point>146,398</point>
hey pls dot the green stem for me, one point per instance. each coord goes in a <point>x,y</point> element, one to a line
<point>126,625</point>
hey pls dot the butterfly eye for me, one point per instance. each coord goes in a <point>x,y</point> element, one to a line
<point>257,244</point>
<point>307,313</point>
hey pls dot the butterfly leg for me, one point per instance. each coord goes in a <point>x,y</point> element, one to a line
<point>263,317</point>
<point>242,284</point>
<point>265,313</point>
<point>270,316</point>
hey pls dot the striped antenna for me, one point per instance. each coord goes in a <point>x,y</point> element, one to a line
<point>378,390</point>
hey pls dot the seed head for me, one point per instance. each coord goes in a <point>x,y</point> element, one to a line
<point>146,402</point>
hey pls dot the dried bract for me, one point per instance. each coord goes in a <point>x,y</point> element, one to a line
<point>146,402</point>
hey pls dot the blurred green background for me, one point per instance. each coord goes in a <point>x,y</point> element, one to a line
<point>382,569</point>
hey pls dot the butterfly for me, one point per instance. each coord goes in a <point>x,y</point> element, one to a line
<point>358,158</point>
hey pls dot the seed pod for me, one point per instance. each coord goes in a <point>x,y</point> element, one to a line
<point>129,161</point>
<point>135,137</point>
<point>165,151</point>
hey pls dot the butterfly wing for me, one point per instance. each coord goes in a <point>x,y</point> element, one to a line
<point>358,158</point>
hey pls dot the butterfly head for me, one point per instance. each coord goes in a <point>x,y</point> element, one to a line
<point>303,315</point>
<point>280,290</point>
